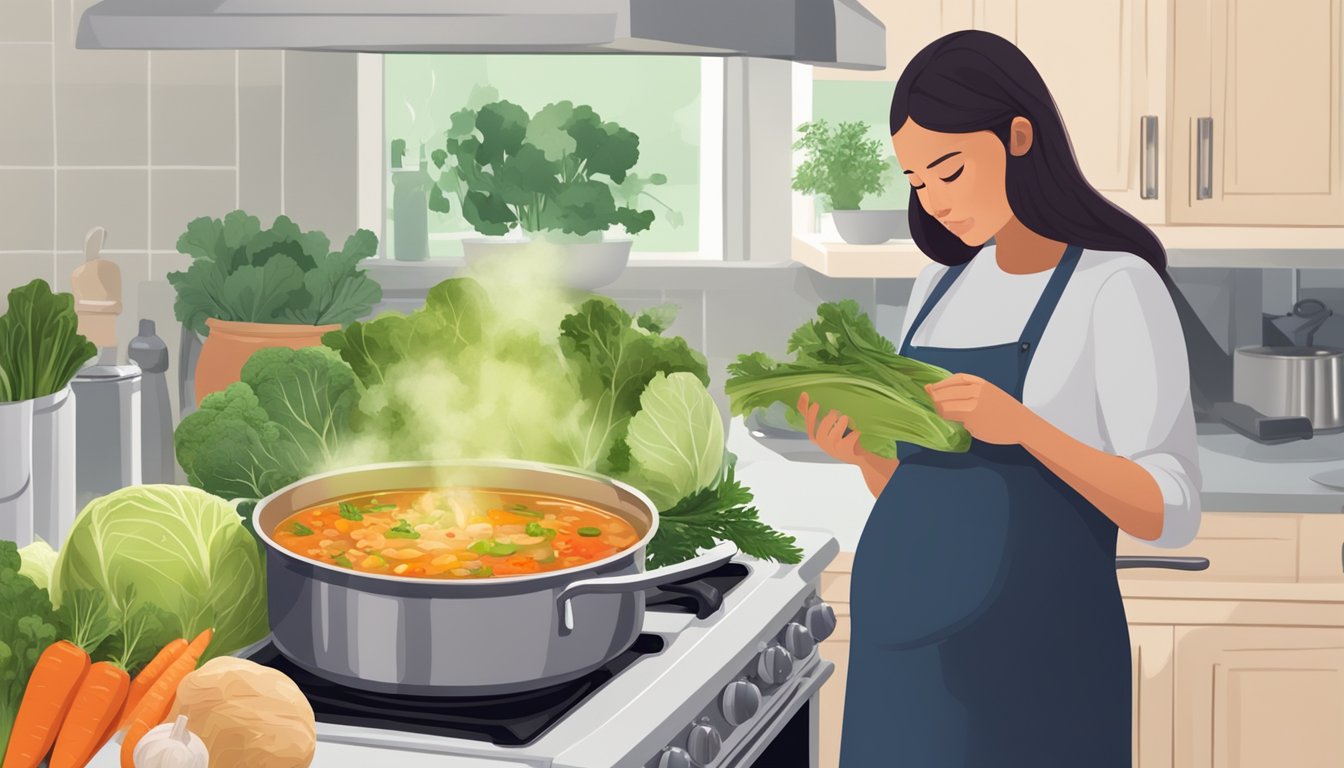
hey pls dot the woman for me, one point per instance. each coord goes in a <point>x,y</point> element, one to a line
<point>987,624</point>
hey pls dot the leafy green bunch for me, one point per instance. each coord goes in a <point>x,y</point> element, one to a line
<point>41,348</point>
<point>539,172</point>
<point>844,165</point>
<point>843,363</point>
<point>242,272</point>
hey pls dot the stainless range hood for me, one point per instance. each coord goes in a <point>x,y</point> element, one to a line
<point>834,33</point>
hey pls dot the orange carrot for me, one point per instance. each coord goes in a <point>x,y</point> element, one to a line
<point>96,706</point>
<point>143,681</point>
<point>153,708</point>
<point>47,698</point>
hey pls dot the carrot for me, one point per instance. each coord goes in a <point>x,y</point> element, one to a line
<point>47,698</point>
<point>143,681</point>
<point>153,708</point>
<point>96,707</point>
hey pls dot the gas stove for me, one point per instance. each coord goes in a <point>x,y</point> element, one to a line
<point>730,684</point>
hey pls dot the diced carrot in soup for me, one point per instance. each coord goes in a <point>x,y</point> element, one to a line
<point>412,535</point>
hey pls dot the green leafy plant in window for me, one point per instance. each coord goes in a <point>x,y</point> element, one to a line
<point>843,165</point>
<point>552,172</point>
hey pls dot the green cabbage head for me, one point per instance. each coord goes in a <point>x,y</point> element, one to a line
<point>179,548</point>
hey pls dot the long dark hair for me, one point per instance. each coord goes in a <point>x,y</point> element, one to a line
<point>977,81</point>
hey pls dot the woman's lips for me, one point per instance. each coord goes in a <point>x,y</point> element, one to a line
<point>959,227</point>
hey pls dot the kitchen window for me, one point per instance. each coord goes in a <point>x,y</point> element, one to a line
<point>838,101</point>
<point>674,104</point>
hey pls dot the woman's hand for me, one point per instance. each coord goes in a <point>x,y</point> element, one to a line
<point>988,413</point>
<point>830,436</point>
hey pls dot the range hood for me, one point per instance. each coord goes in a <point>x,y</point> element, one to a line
<point>834,33</point>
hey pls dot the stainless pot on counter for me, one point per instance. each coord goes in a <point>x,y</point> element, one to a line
<point>461,637</point>
<point>1290,376</point>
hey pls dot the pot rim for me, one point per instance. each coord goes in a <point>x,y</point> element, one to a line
<point>1291,353</point>
<point>253,328</point>
<point>564,575</point>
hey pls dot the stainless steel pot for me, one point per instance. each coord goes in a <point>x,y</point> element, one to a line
<point>1292,381</point>
<point>461,637</point>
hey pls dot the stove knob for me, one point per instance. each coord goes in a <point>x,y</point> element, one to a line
<point>774,665</point>
<point>703,744</point>
<point>675,757</point>
<point>741,701</point>
<point>798,640</point>
<point>820,621</point>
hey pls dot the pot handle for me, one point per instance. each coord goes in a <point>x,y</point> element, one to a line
<point>607,585</point>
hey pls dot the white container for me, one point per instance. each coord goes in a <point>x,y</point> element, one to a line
<point>865,227</point>
<point>54,466</point>
<point>584,266</point>
<point>16,472</point>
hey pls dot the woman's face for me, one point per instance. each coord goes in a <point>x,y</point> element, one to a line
<point>958,178</point>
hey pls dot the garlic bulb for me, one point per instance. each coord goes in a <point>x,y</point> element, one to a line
<point>171,745</point>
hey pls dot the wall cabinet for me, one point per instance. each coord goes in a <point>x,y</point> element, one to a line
<point>1104,63</point>
<point>1256,103</point>
<point>1223,113</point>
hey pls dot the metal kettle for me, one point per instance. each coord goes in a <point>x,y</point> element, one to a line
<point>1297,328</point>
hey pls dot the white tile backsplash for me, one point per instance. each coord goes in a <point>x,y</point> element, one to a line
<point>27,210</point>
<point>192,108</point>
<point>116,199</point>
<point>25,103</point>
<point>178,196</point>
<point>26,21</point>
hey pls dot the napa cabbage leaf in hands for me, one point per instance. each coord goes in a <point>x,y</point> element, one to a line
<point>844,364</point>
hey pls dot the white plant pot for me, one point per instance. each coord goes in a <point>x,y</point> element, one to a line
<point>871,227</point>
<point>16,472</point>
<point>583,266</point>
<point>54,466</point>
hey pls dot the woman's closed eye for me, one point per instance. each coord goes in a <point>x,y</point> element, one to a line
<point>953,177</point>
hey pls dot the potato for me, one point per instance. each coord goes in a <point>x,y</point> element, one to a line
<point>248,715</point>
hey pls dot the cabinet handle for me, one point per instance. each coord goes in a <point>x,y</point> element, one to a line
<point>1204,150</point>
<point>1148,158</point>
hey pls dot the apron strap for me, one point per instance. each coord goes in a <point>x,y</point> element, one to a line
<point>1045,307</point>
<point>949,277</point>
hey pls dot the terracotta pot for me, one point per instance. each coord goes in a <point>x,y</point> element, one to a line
<point>230,344</point>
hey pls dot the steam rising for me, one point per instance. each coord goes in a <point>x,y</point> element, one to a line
<point>511,396</point>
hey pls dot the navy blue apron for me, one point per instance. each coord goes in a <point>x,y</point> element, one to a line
<point>987,627</point>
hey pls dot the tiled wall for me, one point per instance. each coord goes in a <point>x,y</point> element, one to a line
<point>142,142</point>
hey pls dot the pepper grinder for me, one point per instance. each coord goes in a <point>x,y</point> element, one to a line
<point>150,353</point>
<point>107,395</point>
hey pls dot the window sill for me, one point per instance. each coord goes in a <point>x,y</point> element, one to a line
<point>894,258</point>
<point>414,278</point>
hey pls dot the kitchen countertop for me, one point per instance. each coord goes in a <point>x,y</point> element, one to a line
<point>1239,475</point>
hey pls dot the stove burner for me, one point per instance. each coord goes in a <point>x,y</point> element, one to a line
<point>510,720</point>
<point>701,595</point>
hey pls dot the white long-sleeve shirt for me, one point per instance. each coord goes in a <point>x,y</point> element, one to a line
<point>1111,368</point>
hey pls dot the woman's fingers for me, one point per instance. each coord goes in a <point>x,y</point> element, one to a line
<point>827,422</point>
<point>952,381</point>
<point>838,429</point>
<point>958,392</point>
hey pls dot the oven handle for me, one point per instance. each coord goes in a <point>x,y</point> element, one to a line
<point>748,751</point>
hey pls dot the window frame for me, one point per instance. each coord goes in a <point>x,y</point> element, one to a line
<point>373,158</point>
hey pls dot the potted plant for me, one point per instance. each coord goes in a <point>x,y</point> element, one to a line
<point>544,178</point>
<point>843,166</point>
<point>250,288</point>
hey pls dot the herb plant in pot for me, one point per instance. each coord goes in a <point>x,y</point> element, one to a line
<point>541,183</point>
<point>843,166</point>
<point>249,289</point>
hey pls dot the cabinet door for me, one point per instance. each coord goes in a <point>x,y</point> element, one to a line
<point>1103,61</point>
<point>1151,658</point>
<point>1259,696</point>
<point>1265,79</point>
<point>911,25</point>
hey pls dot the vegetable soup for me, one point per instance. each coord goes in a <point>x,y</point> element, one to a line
<point>455,534</point>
